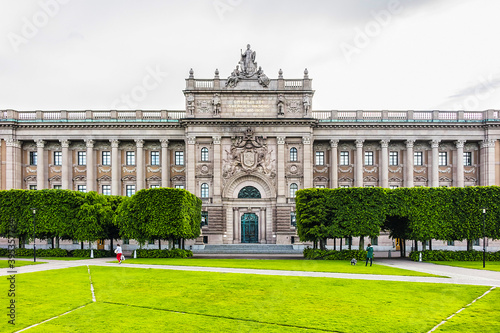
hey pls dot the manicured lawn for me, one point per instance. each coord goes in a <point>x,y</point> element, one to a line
<point>18,263</point>
<point>334,266</point>
<point>490,265</point>
<point>181,301</point>
<point>479,316</point>
<point>56,258</point>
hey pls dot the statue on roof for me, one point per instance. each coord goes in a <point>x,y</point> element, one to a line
<point>247,69</point>
<point>247,62</point>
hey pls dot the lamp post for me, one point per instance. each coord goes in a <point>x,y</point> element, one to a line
<point>484,237</point>
<point>34,226</point>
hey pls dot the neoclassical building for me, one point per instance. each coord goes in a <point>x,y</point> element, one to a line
<point>245,144</point>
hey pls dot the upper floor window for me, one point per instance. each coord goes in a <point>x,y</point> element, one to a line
<point>57,158</point>
<point>179,186</point>
<point>418,158</point>
<point>57,187</point>
<point>443,158</point>
<point>82,188</point>
<point>155,158</point>
<point>82,158</point>
<point>320,158</point>
<point>33,157</point>
<point>344,158</point>
<point>130,158</point>
<point>467,158</point>
<point>393,158</point>
<point>293,154</point>
<point>179,158</point>
<point>154,186</point>
<point>32,187</point>
<point>106,158</point>
<point>293,190</point>
<point>204,190</point>
<point>106,189</point>
<point>204,154</point>
<point>368,158</point>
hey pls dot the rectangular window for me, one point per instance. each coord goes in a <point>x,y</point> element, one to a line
<point>451,243</point>
<point>393,158</point>
<point>344,186</point>
<point>443,158</point>
<point>476,242</point>
<point>204,218</point>
<point>393,186</point>
<point>179,158</point>
<point>293,219</point>
<point>32,187</point>
<point>320,186</point>
<point>374,241</point>
<point>125,241</point>
<point>57,158</point>
<point>57,187</point>
<point>106,158</point>
<point>154,186</point>
<point>106,189</point>
<point>155,158</point>
<point>82,158</point>
<point>368,158</point>
<point>467,158</point>
<point>347,241</point>
<point>75,241</point>
<point>179,186</point>
<point>82,188</point>
<point>418,158</point>
<point>130,190</point>
<point>344,158</point>
<point>320,158</point>
<point>33,158</point>
<point>130,157</point>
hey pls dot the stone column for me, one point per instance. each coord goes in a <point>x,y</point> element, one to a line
<point>139,164</point>
<point>280,140</point>
<point>115,168</point>
<point>165,163</point>
<point>409,163</point>
<point>66,165</point>
<point>459,182</point>
<point>358,178</point>
<point>236,224</point>
<point>262,225</point>
<point>13,165</point>
<point>488,162</point>
<point>435,163</point>
<point>384,164</point>
<point>308,163</point>
<point>217,198</point>
<point>40,165</point>
<point>90,165</point>
<point>190,164</point>
<point>334,166</point>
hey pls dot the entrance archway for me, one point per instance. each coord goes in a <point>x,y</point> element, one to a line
<point>249,228</point>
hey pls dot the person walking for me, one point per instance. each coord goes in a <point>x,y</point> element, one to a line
<point>369,254</point>
<point>118,252</point>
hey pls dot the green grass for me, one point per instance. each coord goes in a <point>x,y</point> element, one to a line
<point>333,266</point>
<point>182,301</point>
<point>490,265</point>
<point>54,258</point>
<point>480,316</point>
<point>17,263</point>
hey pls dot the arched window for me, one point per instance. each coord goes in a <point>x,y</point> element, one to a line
<point>204,190</point>
<point>293,190</point>
<point>249,192</point>
<point>204,154</point>
<point>293,154</point>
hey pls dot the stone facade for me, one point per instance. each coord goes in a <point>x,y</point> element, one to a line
<point>244,145</point>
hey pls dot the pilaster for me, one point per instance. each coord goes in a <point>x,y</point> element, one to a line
<point>334,166</point>
<point>409,163</point>
<point>359,163</point>
<point>165,164</point>
<point>139,163</point>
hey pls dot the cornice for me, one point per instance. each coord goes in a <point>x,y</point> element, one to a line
<point>249,122</point>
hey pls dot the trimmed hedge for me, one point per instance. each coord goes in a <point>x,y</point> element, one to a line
<point>39,252</point>
<point>86,253</point>
<point>444,255</point>
<point>333,254</point>
<point>154,253</point>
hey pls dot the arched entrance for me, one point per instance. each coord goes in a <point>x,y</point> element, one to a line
<point>249,228</point>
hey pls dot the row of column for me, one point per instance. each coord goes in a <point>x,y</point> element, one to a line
<point>487,159</point>
<point>91,165</point>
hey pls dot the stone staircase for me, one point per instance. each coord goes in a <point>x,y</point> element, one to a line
<point>247,249</point>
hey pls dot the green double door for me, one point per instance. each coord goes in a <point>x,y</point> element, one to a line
<point>249,228</point>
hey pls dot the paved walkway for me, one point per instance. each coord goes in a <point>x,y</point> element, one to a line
<point>456,275</point>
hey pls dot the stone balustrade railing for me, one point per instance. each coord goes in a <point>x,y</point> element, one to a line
<point>91,116</point>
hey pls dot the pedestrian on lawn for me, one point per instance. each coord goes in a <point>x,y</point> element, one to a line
<point>118,252</point>
<point>369,254</point>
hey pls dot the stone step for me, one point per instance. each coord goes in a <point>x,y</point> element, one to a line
<point>247,248</point>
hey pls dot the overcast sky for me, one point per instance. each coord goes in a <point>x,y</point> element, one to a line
<point>371,54</point>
